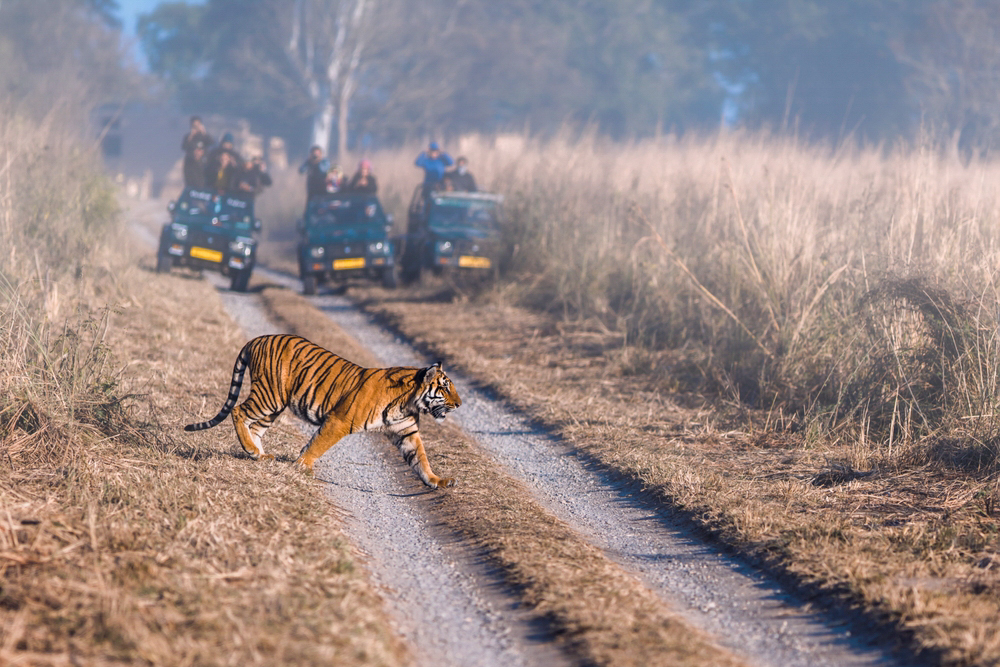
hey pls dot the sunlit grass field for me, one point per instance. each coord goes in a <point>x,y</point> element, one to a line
<point>849,291</point>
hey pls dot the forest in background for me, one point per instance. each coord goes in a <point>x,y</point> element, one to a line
<point>373,73</point>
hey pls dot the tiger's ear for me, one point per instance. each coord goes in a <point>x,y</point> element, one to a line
<point>431,372</point>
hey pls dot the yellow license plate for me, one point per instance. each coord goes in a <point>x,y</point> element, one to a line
<point>352,263</point>
<point>471,262</point>
<point>206,253</point>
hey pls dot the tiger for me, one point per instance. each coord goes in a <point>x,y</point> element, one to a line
<point>338,396</point>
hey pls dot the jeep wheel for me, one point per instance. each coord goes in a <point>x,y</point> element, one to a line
<point>309,284</point>
<point>241,280</point>
<point>164,263</point>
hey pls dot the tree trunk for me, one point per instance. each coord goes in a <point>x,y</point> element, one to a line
<point>322,129</point>
<point>345,103</point>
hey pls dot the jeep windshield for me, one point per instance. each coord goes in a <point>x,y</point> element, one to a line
<point>455,214</point>
<point>235,212</point>
<point>196,203</point>
<point>345,212</point>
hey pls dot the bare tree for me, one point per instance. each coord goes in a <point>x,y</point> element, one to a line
<point>326,45</point>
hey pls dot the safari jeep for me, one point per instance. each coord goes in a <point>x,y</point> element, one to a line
<point>210,231</point>
<point>345,236</point>
<point>454,232</point>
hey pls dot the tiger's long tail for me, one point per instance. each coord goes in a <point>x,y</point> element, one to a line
<point>239,368</point>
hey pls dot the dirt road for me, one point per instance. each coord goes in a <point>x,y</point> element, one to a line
<point>448,600</point>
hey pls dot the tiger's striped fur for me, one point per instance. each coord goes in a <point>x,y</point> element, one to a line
<point>336,395</point>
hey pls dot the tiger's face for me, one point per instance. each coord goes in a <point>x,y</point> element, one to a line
<point>438,395</point>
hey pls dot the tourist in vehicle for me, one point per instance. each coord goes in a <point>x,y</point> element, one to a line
<point>363,180</point>
<point>195,135</point>
<point>251,179</point>
<point>336,180</point>
<point>460,178</point>
<point>220,179</point>
<point>434,162</point>
<point>196,140</point>
<point>214,161</point>
<point>194,167</point>
<point>315,168</point>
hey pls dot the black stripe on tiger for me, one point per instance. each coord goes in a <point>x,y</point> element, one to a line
<point>336,395</point>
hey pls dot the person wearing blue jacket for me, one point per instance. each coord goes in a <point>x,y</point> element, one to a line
<point>434,162</point>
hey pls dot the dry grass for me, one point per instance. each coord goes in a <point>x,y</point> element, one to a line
<point>913,543</point>
<point>602,614</point>
<point>761,258</point>
<point>838,305</point>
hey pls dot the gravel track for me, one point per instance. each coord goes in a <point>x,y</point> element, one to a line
<point>443,601</point>
<point>747,612</point>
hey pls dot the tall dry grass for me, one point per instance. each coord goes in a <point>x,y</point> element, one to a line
<point>58,214</point>
<point>852,288</point>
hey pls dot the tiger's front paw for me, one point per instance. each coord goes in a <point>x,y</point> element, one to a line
<point>305,467</point>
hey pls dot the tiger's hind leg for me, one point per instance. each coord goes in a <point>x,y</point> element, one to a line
<point>250,430</point>
<point>412,449</point>
<point>326,437</point>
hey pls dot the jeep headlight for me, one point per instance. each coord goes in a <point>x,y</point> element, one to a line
<point>444,247</point>
<point>378,248</point>
<point>317,251</point>
<point>241,247</point>
<point>180,231</point>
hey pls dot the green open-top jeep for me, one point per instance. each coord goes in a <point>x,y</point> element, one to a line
<point>345,236</point>
<point>457,232</point>
<point>210,231</point>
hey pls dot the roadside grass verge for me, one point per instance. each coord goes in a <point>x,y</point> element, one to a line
<point>602,614</point>
<point>120,540</point>
<point>128,541</point>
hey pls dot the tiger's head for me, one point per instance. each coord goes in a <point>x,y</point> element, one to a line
<point>437,394</point>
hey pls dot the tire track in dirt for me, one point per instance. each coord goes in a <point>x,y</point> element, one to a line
<point>746,611</point>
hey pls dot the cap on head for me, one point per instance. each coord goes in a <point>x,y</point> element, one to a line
<point>195,119</point>
<point>365,164</point>
<point>227,138</point>
<point>434,146</point>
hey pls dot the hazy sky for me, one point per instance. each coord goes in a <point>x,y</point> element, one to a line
<point>130,10</point>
